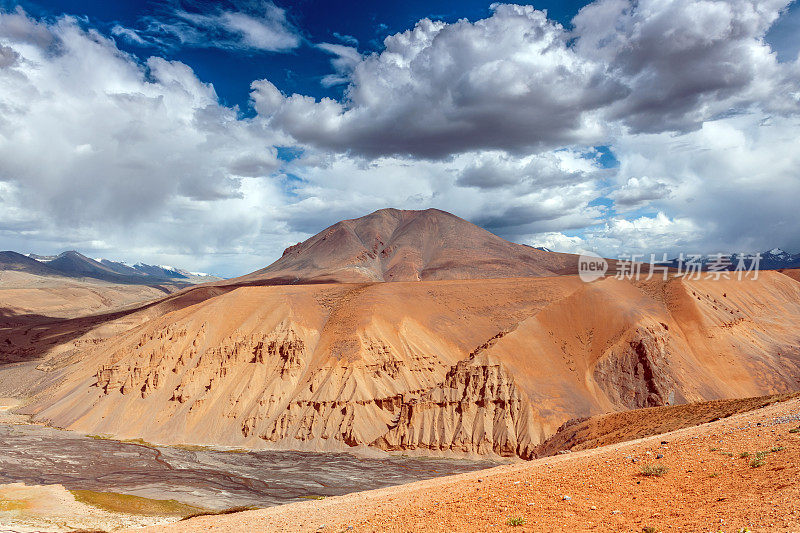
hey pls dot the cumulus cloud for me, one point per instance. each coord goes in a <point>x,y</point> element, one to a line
<point>495,169</point>
<point>684,61</point>
<point>519,82</point>
<point>619,237</point>
<point>496,120</point>
<point>344,61</point>
<point>507,82</point>
<point>337,186</point>
<point>736,179</point>
<point>92,139</point>
<point>254,25</point>
<point>638,192</point>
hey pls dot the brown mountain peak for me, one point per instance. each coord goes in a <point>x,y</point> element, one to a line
<point>406,245</point>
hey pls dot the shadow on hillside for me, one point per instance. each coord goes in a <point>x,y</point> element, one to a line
<point>27,337</point>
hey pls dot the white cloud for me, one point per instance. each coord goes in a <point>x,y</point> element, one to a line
<point>685,61</point>
<point>558,242</point>
<point>736,178</point>
<point>258,25</point>
<point>515,82</point>
<point>507,82</point>
<point>344,61</point>
<point>91,140</point>
<point>496,169</point>
<point>638,192</point>
<point>346,39</point>
<point>494,120</point>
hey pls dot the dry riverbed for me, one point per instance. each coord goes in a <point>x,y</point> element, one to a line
<point>55,480</point>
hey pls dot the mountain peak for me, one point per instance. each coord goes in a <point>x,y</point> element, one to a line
<point>405,245</point>
<point>777,252</point>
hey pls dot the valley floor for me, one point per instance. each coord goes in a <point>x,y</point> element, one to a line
<point>738,472</point>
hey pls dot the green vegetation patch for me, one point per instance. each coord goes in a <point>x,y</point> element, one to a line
<point>13,505</point>
<point>654,470</point>
<point>129,504</point>
<point>230,510</point>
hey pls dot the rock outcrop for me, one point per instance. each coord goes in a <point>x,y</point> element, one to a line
<point>477,409</point>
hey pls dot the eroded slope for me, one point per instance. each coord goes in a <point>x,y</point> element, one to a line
<point>465,367</point>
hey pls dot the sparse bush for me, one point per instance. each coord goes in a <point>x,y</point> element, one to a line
<point>756,462</point>
<point>744,455</point>
<point>776,449</point>
<point>230,510</point>
<point>515,521</point>
<point>795,430</point>
<point>649,529</point>
<point>654,470</point>
<point>729,454</point>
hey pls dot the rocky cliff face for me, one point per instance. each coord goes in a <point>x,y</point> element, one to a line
<point>639,374</point>
<point>489,367</point>
<point>477,409</point>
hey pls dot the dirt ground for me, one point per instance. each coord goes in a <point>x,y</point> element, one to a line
<point>707,483</point>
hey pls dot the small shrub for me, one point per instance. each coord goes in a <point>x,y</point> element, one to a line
<point>756,462</point>
<point>230,510</point>
<point>713,475</point>
<point>795,430</point>
<point>654,470</point>
<point>649,529</point>
<point>744,455</point>
<point>515,521</point>
<point>728,454</point>
<point>776,449</point>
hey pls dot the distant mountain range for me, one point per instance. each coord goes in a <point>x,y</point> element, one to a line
<point>76,265</point>
<point>774,259</point>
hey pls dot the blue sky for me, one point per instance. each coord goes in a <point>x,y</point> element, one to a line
<point>211,135</point>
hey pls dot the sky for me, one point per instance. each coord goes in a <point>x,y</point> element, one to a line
<point>212,135</point>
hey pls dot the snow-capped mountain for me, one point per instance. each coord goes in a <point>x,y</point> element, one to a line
<point>73,263</point>
<point>774,259</point>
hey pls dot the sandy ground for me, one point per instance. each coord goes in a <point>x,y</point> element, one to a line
<point>40,508</point>
<point>709,487</point>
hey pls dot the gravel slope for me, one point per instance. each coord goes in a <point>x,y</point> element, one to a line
<point>708,487</point>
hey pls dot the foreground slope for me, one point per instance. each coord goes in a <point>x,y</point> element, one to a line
<point>443,367</point>
<point>708,484</point>
<point>395,245</point>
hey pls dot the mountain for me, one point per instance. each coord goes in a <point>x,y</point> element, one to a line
<point>775,259</point>
<point>75,264</point>
<point>119,268</point>
<point>492,365</point>
<point>395,245</point>
<point>475,367</point>
<point>160,272</point>
<point>13,261</point>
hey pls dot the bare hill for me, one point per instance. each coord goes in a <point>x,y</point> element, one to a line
<point>446,367</point>
<point>395,245</point>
